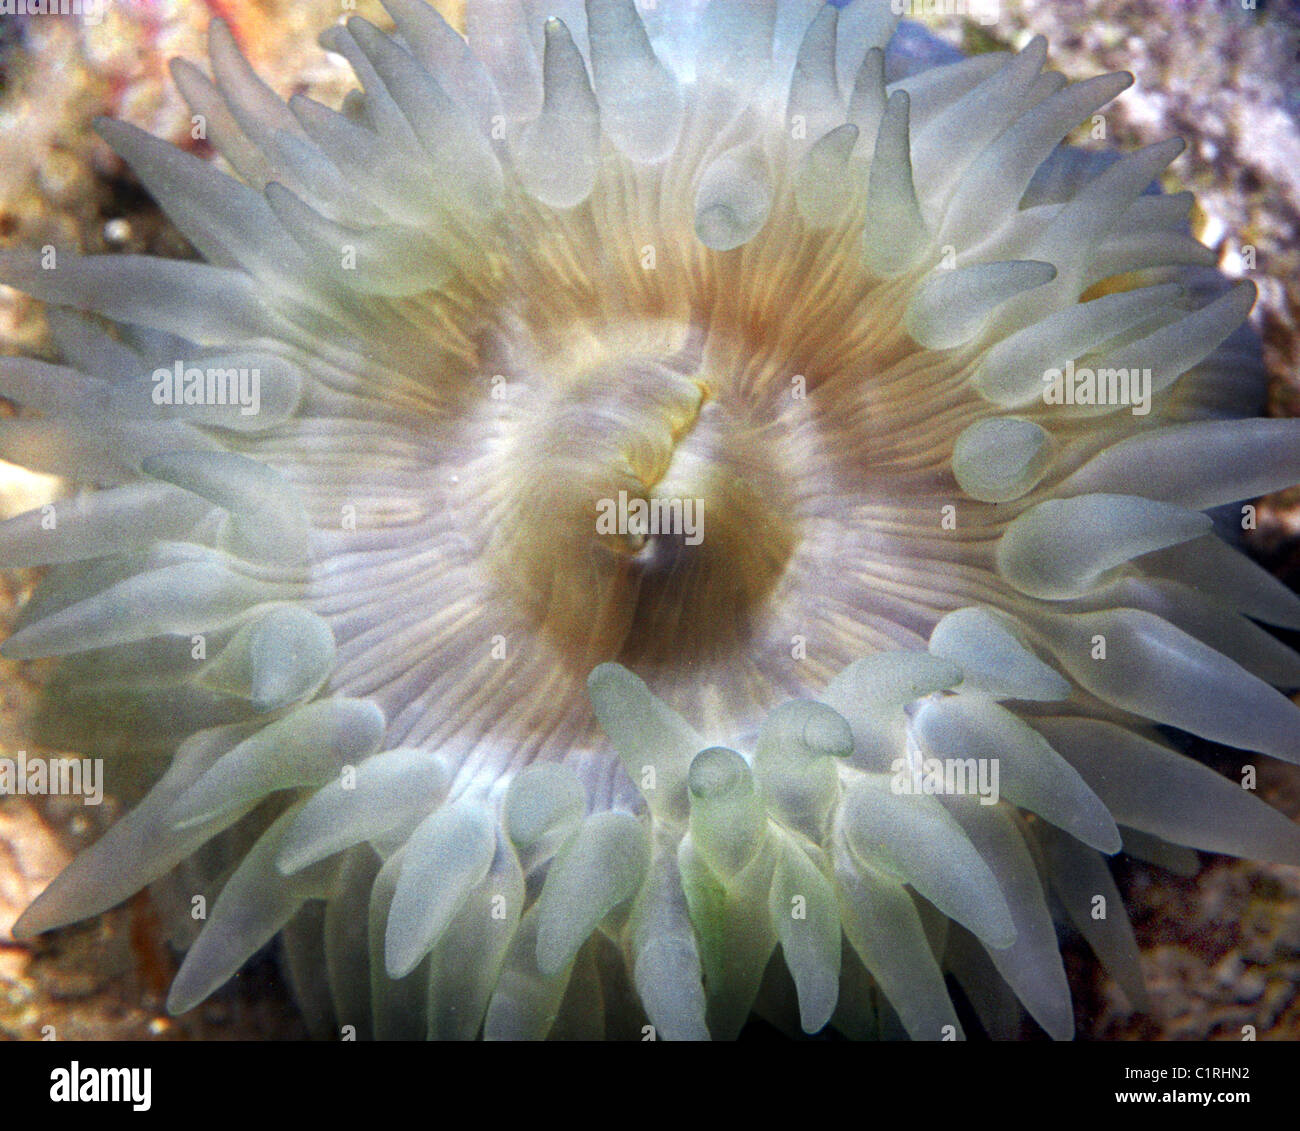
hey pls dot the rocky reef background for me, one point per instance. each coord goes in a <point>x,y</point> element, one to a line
<point>1221,948</point>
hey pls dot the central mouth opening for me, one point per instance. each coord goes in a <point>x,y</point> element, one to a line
<point>648,521</point>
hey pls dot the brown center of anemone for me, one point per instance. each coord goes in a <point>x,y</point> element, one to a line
<point>647,518</point>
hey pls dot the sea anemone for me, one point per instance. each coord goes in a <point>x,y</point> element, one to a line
<point>641,520</point>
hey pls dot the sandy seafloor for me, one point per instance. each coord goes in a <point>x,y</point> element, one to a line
<point>1221,949</point>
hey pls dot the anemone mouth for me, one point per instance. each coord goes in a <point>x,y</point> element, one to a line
<point>660,538</point>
